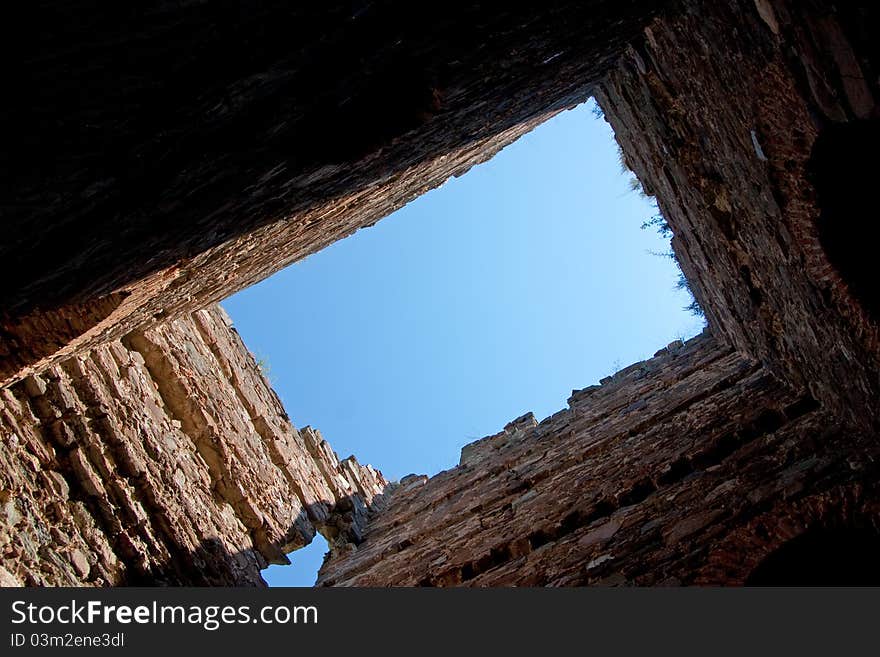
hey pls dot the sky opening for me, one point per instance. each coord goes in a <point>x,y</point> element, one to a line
<point>496,294</point>
<point>303,568</point>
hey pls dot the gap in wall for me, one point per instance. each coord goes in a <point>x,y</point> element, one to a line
<point>844,556</point>
<point>496,294</point>
<point>303,568</point>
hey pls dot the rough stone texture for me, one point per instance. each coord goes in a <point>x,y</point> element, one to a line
<point>718,112</point>
<point>161,156</point>
<point>693,467</point>
<point>165,458</point>
<point>160,454</point>
<point>642,481</point>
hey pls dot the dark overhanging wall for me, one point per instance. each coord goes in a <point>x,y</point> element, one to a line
<point>157,152</point>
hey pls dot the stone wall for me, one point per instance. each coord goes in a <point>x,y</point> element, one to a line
<point>141,443</point>
<point>162,156</point>
<point>165,458</point>
<point>694,466</point>
<point>643,480</point>
<point>718,109</point>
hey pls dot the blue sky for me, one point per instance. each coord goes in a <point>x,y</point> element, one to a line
<point>493,295</point>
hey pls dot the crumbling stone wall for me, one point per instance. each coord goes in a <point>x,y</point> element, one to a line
<point>141,444</point>
<point>165,458</point>
<point>718,109</point>
<point>642,480</point>
<point>693,468</point>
